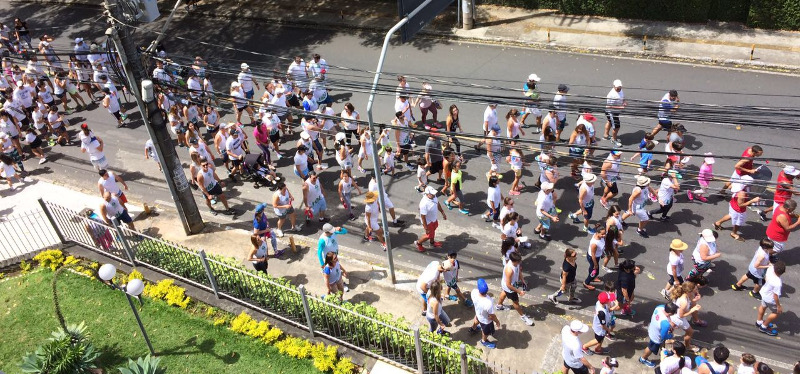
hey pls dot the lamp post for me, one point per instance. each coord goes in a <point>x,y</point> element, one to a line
<point>134,288</point>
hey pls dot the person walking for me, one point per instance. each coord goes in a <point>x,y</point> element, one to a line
<point>262,229</point>
<point>685,297</point>
<point>784,190</point>
<point>745,165</point>
<point>113,212</point>
<point>704,177</point>
<point>314,198</point>
<point>666,194</point>
<point>578,141</point>
<point>560,103</point>
<point>597,245</point>
<point>513,286</point>
<point>569,270</point>
<point>737,209</point>
<point>668,105</point>
<point>585,201</point>
<point>602,323</point>
<point>704,252</point>
<point>211,186</point>
<point>456,185</point>
<point>371,214</point>
<point>334,273</point>
<point>546,210</point>
<point>328,242</point>
<point>615,103</point>
<point>626,286</point>
<point>757,268</point>
<point>426,280</point>
<point>451,268</point>
<point>110,181</point>
<point>659,330</point>
<point>428,211</point>
<point>258,255</point>
<point>781,224</point>
<point>609,173</point>
<point>572,350</point>
<point>282,205</point>
<point>616,226</point>
<point>677,362</point>
<point>674,266</point>
<point>437,318</point>
<point>345,189</point>
<point>636,203</point>
<point>485,317</point>
<point>532,100</point>
<point>770,298</point>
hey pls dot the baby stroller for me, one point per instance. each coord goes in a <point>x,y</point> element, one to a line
<point>257,170</point>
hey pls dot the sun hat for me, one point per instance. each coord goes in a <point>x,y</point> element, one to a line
<point>534,77</point>
<point>708,235</point>
<point>642,181</point>
<point>370,197</point>
<point>245,66</point>
<point>709,158</point>
<point>547,186</point>
<point>791,170</point>
<point>678,245</point>
<point>430,190</point>
<point>617,83</point>
<point>589,178</point>
<point>341,136</point>
<point>305,135</point>
<point>483,288</point>
<point>260,208</point>
<point>578,326</point>
<point>328,228</point>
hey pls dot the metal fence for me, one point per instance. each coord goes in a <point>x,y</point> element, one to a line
<point>275,297</point>
<point>25,234</point>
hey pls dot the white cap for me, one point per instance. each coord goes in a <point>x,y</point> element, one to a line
<point>791,170</point>
<point>534,77</point>
<point>578,326</point>
<point>305,135</point>
<point>709,159</point>
<point>245,66</point>
<point>78,40</point>
<point>617,83</point>
<point>708,236</point>
<point>340,136</point>
<point>430,190</point>
<point>328,228</point>
<point>547,186</point>
<point>235,84</point>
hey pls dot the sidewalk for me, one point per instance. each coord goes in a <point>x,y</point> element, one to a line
<point>713,43</point>
<point>520,347</point>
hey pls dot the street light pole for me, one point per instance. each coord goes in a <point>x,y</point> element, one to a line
<point>154,123</point>
<point>375,163</point>
<point>133,289</point>
<point>141,326</point>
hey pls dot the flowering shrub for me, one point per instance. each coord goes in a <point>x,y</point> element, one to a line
<point>344,366</point>
<point>220,321</point>
<point>166,290</point>
<point>295,347</point>
<point>324,357</point>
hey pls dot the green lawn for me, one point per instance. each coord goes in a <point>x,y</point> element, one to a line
<point>187,344</point>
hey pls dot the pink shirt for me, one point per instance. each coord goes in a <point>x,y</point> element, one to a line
<point>706,173</point>
<point>261,137</point>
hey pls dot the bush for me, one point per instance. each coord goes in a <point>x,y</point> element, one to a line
<point>774,14</point>
<point>167,290</point>
<point>54,259</point>
<point>66,352</point>
<point>295,347</point>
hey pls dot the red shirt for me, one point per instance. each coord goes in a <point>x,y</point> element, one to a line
<point>774,230</point>
<point>735,202</point>
<point>782,191</point>
<point>746,155</point>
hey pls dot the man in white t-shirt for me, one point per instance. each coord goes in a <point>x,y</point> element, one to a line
<point>428,277</point>
<point>297,69</point>
<point>770,298</point>
<point>428,208</point>
<point>485,319</point>
<point>571,349</point>
<point>615,102</point>
<point>110,181</point>
<point>235,152</point>
<point>246,80</point>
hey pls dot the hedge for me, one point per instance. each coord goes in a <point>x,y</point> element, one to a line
<point>769,14</point>
<point>271,293</point>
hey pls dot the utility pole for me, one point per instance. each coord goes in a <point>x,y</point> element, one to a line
<point>154,121</point>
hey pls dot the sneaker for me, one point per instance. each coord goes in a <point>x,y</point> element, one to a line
<point>424,313</point>
<point>702,198</point>
<point>124,116</point>
<point>42,161</point>
<point>346,289</point>
<point>420,248</point>
<point>617,144</point>
<point>552,299</point>
<point>762,216</point>
<point>607,270</point>
<point>384,247</point>
<point>488,344</point>
<point>690,195</point>
<point>642,233</point>
<point>528,321</point>
<point>600,350</point>
<point>497,225</point>
<point>736,287</point>
<point>474,330</point>
<point>587,352</point>
<point>449,207</point>
<point>501,307</point>
<point>279,233</point>
<point>755,295</point>
<point>665,294</point>
<point>767,330</point>
<point>464,211</point>
<point>647,363</point>
<point>468,303</point>
<point>437,244</point>
<point>452,298</point>
<point>604,204</point>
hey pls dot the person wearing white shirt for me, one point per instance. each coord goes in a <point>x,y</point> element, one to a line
<point>758,266</point>
<point>318,66</point>
<point>770,298</point>
<point>546,210</point>
<point>666,192</point>
<point>615,102</point>
<point>246,80</point>
<point>571,349</point>
<point>560,104</point>
<point>297,70</point>
<point>428,208</point>
<point>430,275</point>
<point>485,319</point>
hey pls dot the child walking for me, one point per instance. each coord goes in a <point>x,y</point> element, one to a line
<point>705,176</point>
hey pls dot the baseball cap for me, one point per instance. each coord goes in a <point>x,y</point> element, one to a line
<point>78,40</point>
<point>617,83</point>
<point>563,88</point>
<point>260,208</point>
<point>547,186</point>
<point>340,136</point>
<point>305,135</point>
<point>709,158</point>
<point>616,153</point>
<point>245,66</point>
<point>578,326</point>
<point>642,181</point>
<point>589,117</point>
<point>483,288</point>
<point>606,297</point>
<point>328,228</point>
<point>430,190</point>
<point>534,77</point>
<point>708,235</point>
<point>791,170</point>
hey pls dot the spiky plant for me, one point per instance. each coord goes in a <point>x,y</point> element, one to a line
<point>65,352</point>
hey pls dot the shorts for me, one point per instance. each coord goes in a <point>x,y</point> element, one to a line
<point>545,221</point>
<point>737,218</point>
<point>453,284</point>
<point>599,338</point>
<point>36,143</point>
<point>100,163</point>
<point>214,191</point>
<point>442,317</point>
<point>430,229</point>
<point>513,296</point>
<point>405,149</point>
<point>581,370</point>
<point>665,124</point>
<point>680,323</point>
<point>641,213</point>
<point>771,306</point>
<point>319,206</point>
<point>562,124</point>
<point>275,137</point>
<point>285,213</point>
<point>487,328</point>
<point>756,279</point>
<point>249,94</point>
<point>517,172</point>
<point>236,162</point>
<point>177,130</point>
<point>654,347</point>
<point>613,188</point>
<point>460,195</point>
<point>589,207</point>
<point>387,202</point>
<point>613,118</point>
<point>243,108</point>
<point>532,109</point>
<point>124,217</point>
<point>673,278</point>
<point>735,177</point>
<point>779,246</point>
<point>576,151</point>
<point>117,115</point>
<point>122,198</point>
<point>436,167</point>
<point>373,224</point>
<point>61,95</point>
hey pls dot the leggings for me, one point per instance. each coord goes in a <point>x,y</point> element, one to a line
<point>589,278</point>
<point>265,151</point>
<point>664,209</point>
<point>349,133</point>
<point>424,111</point>
<point>455,141</point>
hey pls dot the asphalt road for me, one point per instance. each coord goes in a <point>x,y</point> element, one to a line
<point>730,314</point>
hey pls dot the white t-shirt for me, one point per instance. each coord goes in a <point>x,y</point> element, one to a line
<point>246,80</point>
<point>571,348</point>
<point>450,275</point>
<point>484,306</point>
<point>494,197</point>
<point>110,184</point>
<point>665,191</point>
<point>234,145</point>
<point>510,229</point>
<point>677,261</point>
<point>744,369</point>
<point>772,286</point>
<point>400,106</point>
<point>615,98</point>
<point>430,275</point>
<point>670,365</point>
<point>490,117</point>
<point>373,209</point>
<point>504,211</point>
<point>544,202</point>
<point>429,207</point>
<point>764,261</point>
<point>301,159</point>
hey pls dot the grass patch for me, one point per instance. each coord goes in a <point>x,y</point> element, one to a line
<point>186,343</point>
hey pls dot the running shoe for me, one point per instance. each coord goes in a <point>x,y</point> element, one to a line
<point>452,297</point>
<point>702,198</point>
<point>527,320</point>
<point>558,210</point>
<point>437,244</point>
<point>607,270</point>
<point>768,331</point>
<point>501,307</point>
<point>665,294</point>
<point>690,195</point>
<point>617,144</point>
<point>737,287</point>
<point>449,207</point>
<point>420,248</point>
<point>464,211</point>
<point>762,216</point>
<point>552,299</point>
<point>604,204</point>
<point>642,233</point>
<point>42,161</point>
<point>647,363</point>
<point>587,352</point>
<point>488,344</point>
<point>279,233</point>
<point>625,225</point>
<point>755,295</point>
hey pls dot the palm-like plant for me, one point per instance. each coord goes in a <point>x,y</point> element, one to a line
<point>67,351</point>
<point>143,365</point>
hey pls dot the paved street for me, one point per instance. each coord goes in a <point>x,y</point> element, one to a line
<point>462,64</point>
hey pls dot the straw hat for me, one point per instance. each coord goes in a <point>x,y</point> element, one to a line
<point>370,197</point>
<point>678,245</point>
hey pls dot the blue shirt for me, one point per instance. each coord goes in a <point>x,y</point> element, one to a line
<point>665,107</point>
<point>646,157</point>
<point>261,224</point>
<point>328,244</point>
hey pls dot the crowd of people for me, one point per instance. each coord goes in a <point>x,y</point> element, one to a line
<point>295,118</point>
